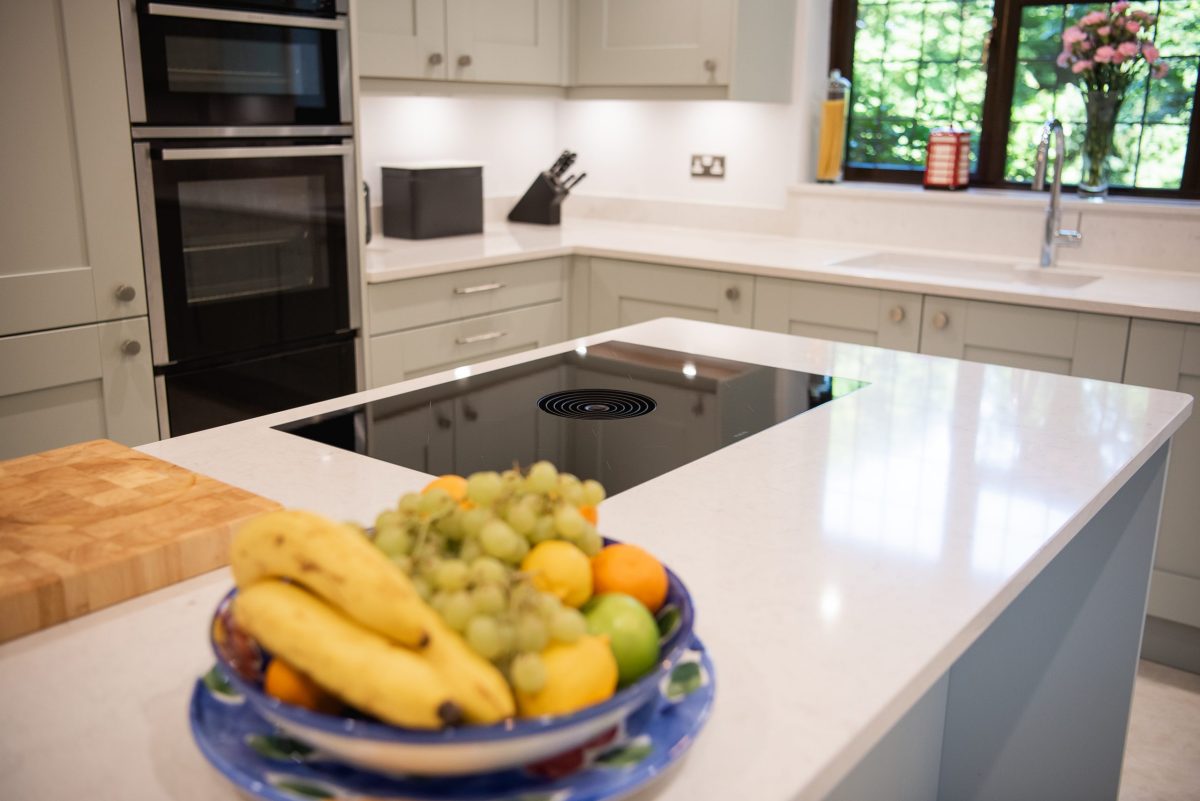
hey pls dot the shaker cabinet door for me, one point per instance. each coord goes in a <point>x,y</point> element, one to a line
<point>1049,340</point>
<point>504,41</point>
<point>663,43</point>
<point>74,384</point>
<point>1167,356</point>
<point>72,249</point>
<point>839,313</point>
<point>624,293</point>
<point>401,39</point>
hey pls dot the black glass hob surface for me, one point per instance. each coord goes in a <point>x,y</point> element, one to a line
<point>619,413</point>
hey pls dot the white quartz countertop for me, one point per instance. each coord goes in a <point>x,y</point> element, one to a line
<point>840,563</point>
<point>1152,294</point>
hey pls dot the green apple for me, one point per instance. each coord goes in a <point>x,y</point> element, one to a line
<point>632,633</point>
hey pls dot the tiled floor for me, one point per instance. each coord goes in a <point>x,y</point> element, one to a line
<point>1162,753</point>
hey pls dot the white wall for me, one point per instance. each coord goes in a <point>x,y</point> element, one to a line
<point>514,138</point>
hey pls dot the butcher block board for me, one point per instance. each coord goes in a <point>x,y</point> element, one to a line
<point>93,524</point>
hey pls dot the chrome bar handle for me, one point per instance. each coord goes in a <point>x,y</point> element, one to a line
<point>471,290</point>
<point>212,153</point>
<point>490,335</point>
<point>248,17</point>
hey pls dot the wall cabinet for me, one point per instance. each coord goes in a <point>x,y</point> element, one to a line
<point>1167,356</point>
<point>740,49</point>
<point>840,313</point>
<point>72,249</point>
<point>74,384</point>
<point>625,292</point>
<point>492,41</point>
<point>1054,341</point>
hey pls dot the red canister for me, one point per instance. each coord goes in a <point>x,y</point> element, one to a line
<point>948,159</point>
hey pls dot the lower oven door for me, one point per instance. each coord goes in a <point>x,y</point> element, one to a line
<point>247,245</point>
<point>200,397</point>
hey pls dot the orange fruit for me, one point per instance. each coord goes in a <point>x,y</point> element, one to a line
<point>455,486</point>
<point>289,685</point>
<point>589,514</point>
<point>631,570</point>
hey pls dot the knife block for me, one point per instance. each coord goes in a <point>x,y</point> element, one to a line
<point>541,203</point>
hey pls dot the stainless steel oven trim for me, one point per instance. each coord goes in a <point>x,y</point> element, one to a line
<point>248,17</point>
<point>131,45</point>
<point>224,153</point>
<point>144,174</point>
<point>353,272</point>
<point>160,396</point>
<point>239,131</point>
<point>343,54</point>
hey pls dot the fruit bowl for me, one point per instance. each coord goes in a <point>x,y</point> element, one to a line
<point>393,750</point>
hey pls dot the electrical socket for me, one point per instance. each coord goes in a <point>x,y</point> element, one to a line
<point>705,166</point>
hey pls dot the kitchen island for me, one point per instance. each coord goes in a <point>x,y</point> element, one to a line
<point>931,587</point>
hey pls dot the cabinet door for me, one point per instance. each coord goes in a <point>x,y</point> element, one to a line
<point>75,384</point>
<point>1167,356</point>
<point>624,293</point>
<point>663,43</point>
<point>504,41</point>
<point>401,38</point>
<point>838,313</point>
<point>72,251</point>
<point>1069,343</point>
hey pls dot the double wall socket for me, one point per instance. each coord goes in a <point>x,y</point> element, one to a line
<point>704,166</point>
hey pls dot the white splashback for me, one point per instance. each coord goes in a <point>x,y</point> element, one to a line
<point>514,138</point>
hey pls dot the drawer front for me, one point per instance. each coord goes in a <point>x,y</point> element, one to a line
<point>624,293</point>
<point>417,302</point>
<point>838,313</point>
<point>409,354</point>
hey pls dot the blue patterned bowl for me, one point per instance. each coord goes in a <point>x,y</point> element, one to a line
<point>461,750</point>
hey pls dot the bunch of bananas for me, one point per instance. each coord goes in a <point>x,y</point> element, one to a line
<point>354,623</point>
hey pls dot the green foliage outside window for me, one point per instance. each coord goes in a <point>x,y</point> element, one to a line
<point>918,65</point>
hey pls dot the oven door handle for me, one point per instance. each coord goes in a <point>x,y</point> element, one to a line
<point>250,17</point>
<point>210,153</point>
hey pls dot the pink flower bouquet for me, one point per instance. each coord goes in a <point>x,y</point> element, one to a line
<point>1105,50</point>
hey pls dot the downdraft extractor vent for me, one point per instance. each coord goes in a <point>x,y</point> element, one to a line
<point>596,404</point>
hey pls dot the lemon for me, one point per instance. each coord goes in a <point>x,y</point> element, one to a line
<point>577,676</point>
<point>561,569</point>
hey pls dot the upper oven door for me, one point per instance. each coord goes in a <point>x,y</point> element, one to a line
<point>247,245</point>
<point>201,66</point>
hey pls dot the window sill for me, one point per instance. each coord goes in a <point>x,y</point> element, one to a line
<point>999,198</point>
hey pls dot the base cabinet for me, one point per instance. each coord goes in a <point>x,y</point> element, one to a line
<point>625,292</point>
<point>1053,341</point>
<point>74,384</point>
<point>1167,356</point>
<point>839,313</point>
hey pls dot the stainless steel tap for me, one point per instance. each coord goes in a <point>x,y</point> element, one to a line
<point>1053,235</point>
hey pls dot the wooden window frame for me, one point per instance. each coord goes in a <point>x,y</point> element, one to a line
<point>997,106</point>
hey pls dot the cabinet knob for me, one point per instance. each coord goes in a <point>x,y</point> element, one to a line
<point>710,64</point>
<point>897,314</point>
<point>131,347</point>
<point>470,413</point>
<point>941,320</point>
<point>733,293</point>
<point>464,60</point>
<point>435,59</point>
<point>125,293</point>
<point>443,422</point>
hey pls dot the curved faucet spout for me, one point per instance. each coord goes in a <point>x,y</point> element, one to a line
<point>1053,234</point>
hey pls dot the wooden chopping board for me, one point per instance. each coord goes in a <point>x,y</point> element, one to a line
<point>93,524</point>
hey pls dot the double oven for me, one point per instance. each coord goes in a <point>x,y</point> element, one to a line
<point>243,147</point>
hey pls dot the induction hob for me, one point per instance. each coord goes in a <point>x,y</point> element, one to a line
<point>616,412</point>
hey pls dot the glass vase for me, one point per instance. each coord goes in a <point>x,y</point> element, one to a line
<point>1097,150</point>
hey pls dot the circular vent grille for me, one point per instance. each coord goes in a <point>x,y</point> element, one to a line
<point>596,404</point>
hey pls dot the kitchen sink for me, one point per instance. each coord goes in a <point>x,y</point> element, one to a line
<point>972,268</point>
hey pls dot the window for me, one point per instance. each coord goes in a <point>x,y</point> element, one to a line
<point>989,67</point>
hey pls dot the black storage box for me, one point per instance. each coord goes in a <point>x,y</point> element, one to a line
<point>422,201</point>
